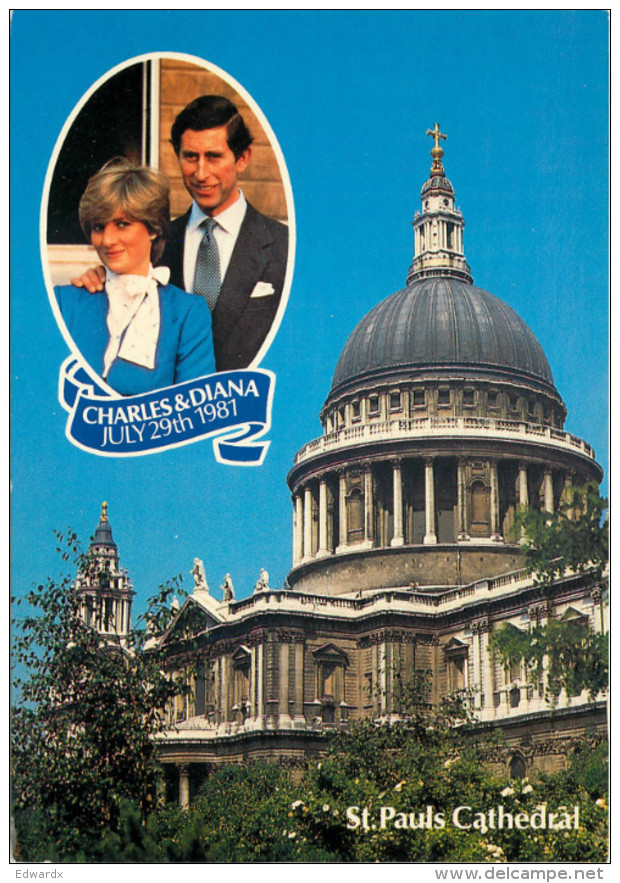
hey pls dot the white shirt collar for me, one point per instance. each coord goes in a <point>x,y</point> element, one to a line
<point>229,220</point>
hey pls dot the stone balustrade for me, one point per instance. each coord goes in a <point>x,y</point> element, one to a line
<point>429,427</point>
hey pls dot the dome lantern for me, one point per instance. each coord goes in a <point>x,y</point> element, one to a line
<point>438,229</point>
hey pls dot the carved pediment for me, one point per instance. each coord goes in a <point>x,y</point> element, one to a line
<point>330,653</point>
<point>455,648</point>
<point>242,655</point>
<point>191,620</point>
<point>573,615</point>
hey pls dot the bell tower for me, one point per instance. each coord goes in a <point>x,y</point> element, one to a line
<point>438,229</point>
<point>104,587</point>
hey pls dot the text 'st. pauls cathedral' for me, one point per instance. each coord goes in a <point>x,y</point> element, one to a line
<point>442,421</point>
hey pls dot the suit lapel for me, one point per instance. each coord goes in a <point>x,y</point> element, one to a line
<point>247,264</point>
<point>173,252</point>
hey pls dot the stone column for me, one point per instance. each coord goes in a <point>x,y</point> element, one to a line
<point>295,553</point>
<point>368,507</point>
<point>486,662</point>
<point>461,502</point>
<point>252,709</point>
<point>260,702</point>
<point>307,522</point>
<point>399,538</point>
<point>568,486</point>
<point>522,488</point>
<point>227,688</point>
<point>299,717</point>
<point>284,718</point>
<point>342,509</point>
<point>522,485</point>
<point>183,785</point>
<point>494,503</point>
<point>548,491</point>
<point>382,677</point>
<point>298,519</point>
<point>323,550</point>
<point>430,537</point>
<point>477,659</point>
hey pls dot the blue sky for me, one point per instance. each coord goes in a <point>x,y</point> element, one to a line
<point>523,97</point>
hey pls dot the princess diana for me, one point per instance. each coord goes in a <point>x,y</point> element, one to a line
<point>140,333</point>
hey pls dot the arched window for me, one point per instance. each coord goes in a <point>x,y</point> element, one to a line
<point>479,509</point>
<point>517,767</point>
<point>355,516</point>
<point>241,666</point>
<point>331,663</point>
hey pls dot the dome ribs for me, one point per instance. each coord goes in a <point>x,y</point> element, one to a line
<point>469,338</point>
<point>441,322</point>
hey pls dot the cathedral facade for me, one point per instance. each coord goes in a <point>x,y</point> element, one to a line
<point>442,420</point>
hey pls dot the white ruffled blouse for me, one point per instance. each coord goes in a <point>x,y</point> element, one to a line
<point>133,317</point>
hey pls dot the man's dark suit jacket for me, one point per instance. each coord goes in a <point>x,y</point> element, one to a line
<point>240,322</point>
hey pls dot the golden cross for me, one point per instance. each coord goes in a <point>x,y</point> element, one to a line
<point>436,134</point>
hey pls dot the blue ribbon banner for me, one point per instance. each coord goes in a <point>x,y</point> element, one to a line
<point>235,406</point>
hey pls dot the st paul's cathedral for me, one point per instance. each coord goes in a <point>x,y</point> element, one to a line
<point>442,420</point>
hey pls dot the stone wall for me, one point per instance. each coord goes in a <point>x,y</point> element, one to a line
<point>386,568</point>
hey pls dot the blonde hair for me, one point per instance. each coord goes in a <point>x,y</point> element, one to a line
<point>138,192</point>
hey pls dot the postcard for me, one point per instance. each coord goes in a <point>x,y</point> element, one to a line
<point>309,369</point>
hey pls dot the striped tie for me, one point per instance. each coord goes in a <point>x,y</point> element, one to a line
<point>207,280</point>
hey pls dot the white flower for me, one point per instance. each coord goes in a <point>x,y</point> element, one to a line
<point>507,792</point>
<point>296,803</point>
<point>601,802</point>
<point>527,790</point>
<point>326,807</point>
<point>292,834</point>
<point>399,787</point>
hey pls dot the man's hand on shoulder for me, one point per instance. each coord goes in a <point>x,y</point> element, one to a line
<point>92,279</point>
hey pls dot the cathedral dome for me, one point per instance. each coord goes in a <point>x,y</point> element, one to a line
<point>441,323</point>
<point>441,423</point>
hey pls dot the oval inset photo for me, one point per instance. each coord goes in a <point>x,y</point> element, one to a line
<point>167,226</point>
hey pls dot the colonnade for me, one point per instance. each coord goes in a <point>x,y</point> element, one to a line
<point>328,517</point>
<point>108,614</point>
<point>439,234</point>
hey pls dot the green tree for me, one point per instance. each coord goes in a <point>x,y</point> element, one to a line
<point>437,758</point>
<point>570,654</point>
<point>575,537</point>
<point>86,709</point>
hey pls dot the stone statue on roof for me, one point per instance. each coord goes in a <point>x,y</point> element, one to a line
<point>200,579</point>
<point>227,588</point>
<point>262,582</point>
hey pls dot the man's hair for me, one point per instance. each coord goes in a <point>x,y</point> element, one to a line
<point>137,192</point>
<point>210,112</point>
